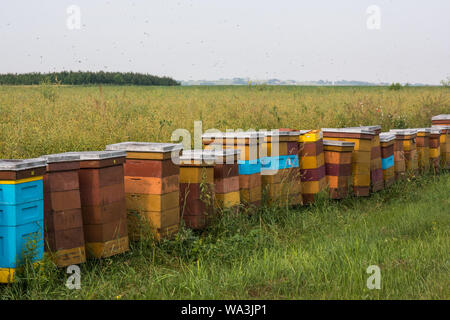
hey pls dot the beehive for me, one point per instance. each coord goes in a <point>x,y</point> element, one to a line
<point>423,148</point>
<point>197,188</point>
<point>408,138</point>
<point>361,156</point>
<point>312,164</point>
<point>376,171</point>
<point>21,215</point>
<point>338,167</point>
<point>280,168</point>
<point>151,188</point>
<point>399,158</point>
<point>435,149</point>
<point>63,220</point>
<point>102,196</point>
<point>442,119</point>
<point>249,164</point>
<point>387,141</point>
<point>226,178</point>
<point>444,145</point>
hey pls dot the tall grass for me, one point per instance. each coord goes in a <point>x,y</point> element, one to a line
<point>41,119</point>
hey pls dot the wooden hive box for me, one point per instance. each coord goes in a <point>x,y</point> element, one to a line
<point>102,193</point>
<point>423,148</point>
<point>21,215</point>
<point>444,145</point>
<point>442,119</point>
<point>197,188</point>
<point>311,164</point>
<point>63,219</point>
<point>408,138</point>
<point>361,156</point>
<point>338,167</point>
<point>280,168</point>
<point>249,164</point>
<point>387,141</point>
<point>435,149</point>
<point>151,188</point>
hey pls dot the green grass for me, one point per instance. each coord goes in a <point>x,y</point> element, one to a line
<point>317,252</point>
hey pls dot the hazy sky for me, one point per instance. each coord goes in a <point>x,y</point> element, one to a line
<point>212,39</point>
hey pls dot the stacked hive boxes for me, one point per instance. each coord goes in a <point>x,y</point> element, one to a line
<point>197,188</point>
<point>435,149</point>
<point>280,168</point>
<point>399,158</point>
<point>387,141</point>
<point>376,171</point>
<point>338,167</point>
<point>444,144</point>
<point>151,188</point>
<point>361,156</point>
<point>423,148</point>
<point>226,178</point>
<point>408,138</point>
<point>249,163</point>
<point>312,164</point>
<point>64,236</point>
<point>103,202</point>
<point>21,214</point>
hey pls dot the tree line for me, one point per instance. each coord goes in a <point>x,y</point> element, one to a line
<point>86,78</point>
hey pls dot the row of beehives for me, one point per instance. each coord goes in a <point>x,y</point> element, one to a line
<point>89,204</point>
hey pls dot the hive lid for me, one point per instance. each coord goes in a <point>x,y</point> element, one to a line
<point>435,130</point>
<point>273,133</point>
<point>304,131</point>
<point>222,152</point>
<point>198,154</point>
<point>371,128</point>
<point>60,157</point>
<point>349,130</point>
<point>403,132</point>
<point>386,137</point>
<point>440,126</point>
<point>145,147</point>
<point>441,117</point>
<point>223,135</point>
<point>338,143</point>
<point>423,129</point>
<point>98,155</point>
<point>21,164</point>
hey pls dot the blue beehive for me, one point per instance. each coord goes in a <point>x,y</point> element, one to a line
<point>21,214</point>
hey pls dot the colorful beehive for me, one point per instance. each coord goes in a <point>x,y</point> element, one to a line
<point>197,188</point>
<point>361,156</point>
<point>226,178</point>
<point>21,215</point>
<point>435,149</point>
<point>387,141</point>
<point>376,170</point>
<point>399,158</point>
<point>151,188</point>
<point>249,163</point>
<point>280,167</point>
<point>102,194</point>
<point>444,145</point>
<point>338,167</point>
<point>63,219</point>
<point>442,119</point>
<point>423,148</point>
<point>408,138</point>
<point>312,164</point>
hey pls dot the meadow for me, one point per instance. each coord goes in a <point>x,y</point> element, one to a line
<point>313,252</point>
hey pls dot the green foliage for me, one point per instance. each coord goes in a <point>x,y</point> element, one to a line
<point>395,86</point>
<point>86,78</point>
